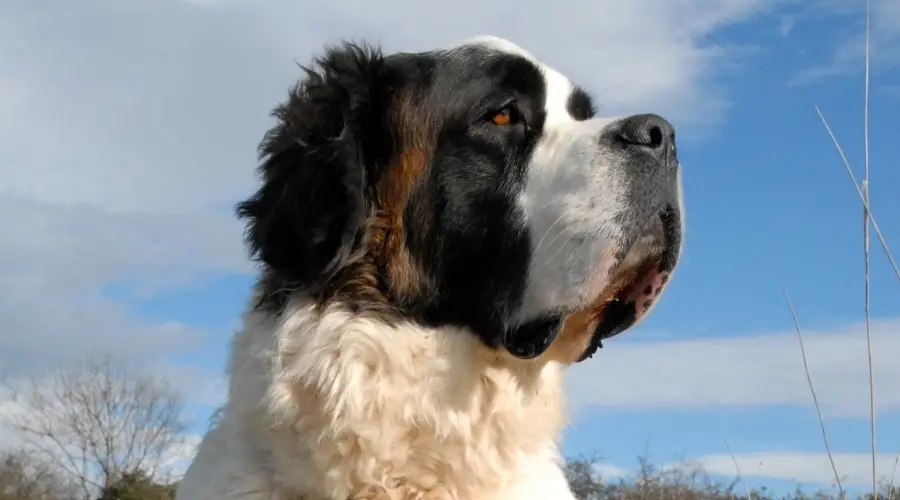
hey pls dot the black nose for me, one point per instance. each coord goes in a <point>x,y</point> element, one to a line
<point>648,131</point>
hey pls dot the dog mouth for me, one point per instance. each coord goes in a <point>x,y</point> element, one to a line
<point>637,281</point>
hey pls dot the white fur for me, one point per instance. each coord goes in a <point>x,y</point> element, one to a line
<point>333,406</point>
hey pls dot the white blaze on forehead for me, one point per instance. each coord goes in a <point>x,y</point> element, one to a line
<point>558,86</point>
<point>559,89</point>
<point>493,42</point>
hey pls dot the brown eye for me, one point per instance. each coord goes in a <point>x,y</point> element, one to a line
<point>502,117</point>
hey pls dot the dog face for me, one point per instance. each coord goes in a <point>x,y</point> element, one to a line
<point>469,186</point>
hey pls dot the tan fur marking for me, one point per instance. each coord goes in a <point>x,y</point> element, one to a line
<point>578,328</point>
<point>404,277</point>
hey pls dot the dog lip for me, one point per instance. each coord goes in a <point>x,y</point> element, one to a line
<point>620,314</point>
<point>650,259</point>
<point>671,224</point>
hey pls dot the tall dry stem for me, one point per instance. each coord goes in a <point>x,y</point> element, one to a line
<point>865,189</point>
<point>812,390</point>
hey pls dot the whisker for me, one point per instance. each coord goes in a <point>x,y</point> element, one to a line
<point>547,232</point>
<point>560,249</point>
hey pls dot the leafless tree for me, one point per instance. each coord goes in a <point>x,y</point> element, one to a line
<point>583,478</point>
<point>22,477</point>
<point>96,422</point>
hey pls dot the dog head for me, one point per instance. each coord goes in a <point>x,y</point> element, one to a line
<point>471,186</point>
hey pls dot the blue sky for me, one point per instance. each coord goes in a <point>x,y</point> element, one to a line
<point>770,206</point>
<point>130,132</point>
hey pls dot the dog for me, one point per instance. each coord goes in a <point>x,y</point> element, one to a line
<point>439,234</point>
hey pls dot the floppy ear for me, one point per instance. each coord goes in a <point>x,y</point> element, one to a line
<point>312,206</point>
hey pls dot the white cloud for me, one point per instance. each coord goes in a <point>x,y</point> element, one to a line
<point>610,472</point>
<point>747,371</point>
<point>8,409</point>
<point>786,25</point>
<point>854,469</point>
<point>159,105</point>
<point>203,388</point>
<point>55,260</point>
<point>129,129</point>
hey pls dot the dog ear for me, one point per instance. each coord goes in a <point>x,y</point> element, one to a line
<point>312,206</point>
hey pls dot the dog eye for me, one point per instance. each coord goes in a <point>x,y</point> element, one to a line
<point>507,115</point>
<point>502,117</point>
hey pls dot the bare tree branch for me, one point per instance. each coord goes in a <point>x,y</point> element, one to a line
<point>23,477</point>
<point>97,422</point>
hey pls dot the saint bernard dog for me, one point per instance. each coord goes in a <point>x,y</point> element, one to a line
<point>439,235</point>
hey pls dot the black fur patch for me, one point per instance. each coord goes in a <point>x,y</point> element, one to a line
<point>312,222</point>
<point>309,215</point>
<point>533,338</point>
<point>580,105</point>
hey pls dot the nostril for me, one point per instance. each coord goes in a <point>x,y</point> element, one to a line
<point>656,136</point>
<point>647,130</point>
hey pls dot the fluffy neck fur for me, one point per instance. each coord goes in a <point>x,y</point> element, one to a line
<point>347,406</point>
